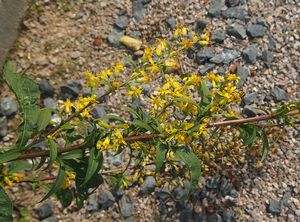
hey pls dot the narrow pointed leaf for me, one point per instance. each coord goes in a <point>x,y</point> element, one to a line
<point>9,155</point>
<point>193,163</point>
<point>57,184</point>
<point>161,151</point>
<point>6,207</point>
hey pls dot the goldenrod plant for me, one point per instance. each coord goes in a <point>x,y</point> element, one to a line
<point>189,126</point>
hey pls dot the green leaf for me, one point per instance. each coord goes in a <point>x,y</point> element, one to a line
<point>57,184</point>
<point>9,155</point>
<point>19,165</point>
<point>6,207</point>
<point>141,124</point>
<point>266,145</point>
<point>44,119</point>
<point>161,151</point>
<point>74,154</point>
<point>28,96</point>
<point>53,153</point>
<point>206,97</point>
<point>113,117</point>
<point>248,133</point>
<point>65,197</point>
<point>191,160</point>
<point>95,159</point>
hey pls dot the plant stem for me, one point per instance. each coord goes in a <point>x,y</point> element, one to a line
<point>148,137</point>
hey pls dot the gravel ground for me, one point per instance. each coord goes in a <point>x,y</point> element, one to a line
<point>61,40</point>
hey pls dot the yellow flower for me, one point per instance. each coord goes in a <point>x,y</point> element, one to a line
<point>116,85</point>
<point>154,68</point>
<point>148,54</point>
<point>118,140</point>
<point>68,180</point>
<point>103,145</point>
<point>119,67</point>
<point>215,79</point>
<point>8,181</point>
<point>135,91</point>
<point>17,176</point>
<point>85,113</point>
<point>187,43</point>
<point>67,106</point>
<point>232,77</point>
<point>91,80</point>
<point>161,46</point>
<point>172,64</point>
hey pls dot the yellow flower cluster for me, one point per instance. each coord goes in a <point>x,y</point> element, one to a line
<point>68,180</point>
<point>7,178</point>
<point>80,105</point>
<point>111,143</point>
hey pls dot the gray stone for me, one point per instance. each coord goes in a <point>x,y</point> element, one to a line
<point>50,103</point>
<point>207,68</point>
<point>114,159</point>
<point>106,199</point>
<point>147,89</point>
<point>249,111</point>
<point>71,90</point>
<point>200,25</point>
<point>148,186</point>
<point>114,37</point>
<point>262,21</point>
<point>44,211</point>
<point>92,204</point>
<point>267,57</point>
<point>274,207</point>
<point>238,12</point>
<point>46,88</point>
<point>279,94</point>
<point>75,55</point>
<point>99,111</point>
<point>126,206</point>
<point>122,21</point>
<point>285,198</point>
<point>186,215</point>
<point>3,126</point>
<point>234,193</point>
<point>171,22</point>
<point>243,73</point>
<point>225,57</point>
<point>214,218</point>
<point>204,55</point>
<point>215,8</point>
<point>214,182</point>
<point>180,193</point>
<point>256,30</point>
<point>138,10</point>
<point>163,192</point>
<point>232,3</point>
<point>201,217</point>
<point>8,106</point>
<point>51,219</point>
<point>251,53</point>
<point>228,216</point>
<point>218,37</point>
<point>272,43</point>
<point>237,30</point>
<point>250,98</point>
<point>12,12</point>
